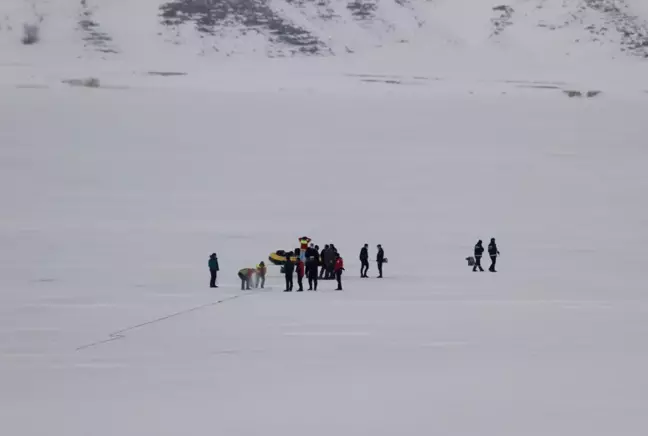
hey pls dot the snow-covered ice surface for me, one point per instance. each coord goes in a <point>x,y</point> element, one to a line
<point>112,200</point>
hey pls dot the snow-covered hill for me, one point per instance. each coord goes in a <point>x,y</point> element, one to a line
<point>116,28</point>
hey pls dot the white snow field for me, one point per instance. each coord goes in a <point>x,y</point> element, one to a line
<point>113,198</point>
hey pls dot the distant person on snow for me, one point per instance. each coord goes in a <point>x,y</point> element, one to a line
<point>380,259</point>
<point>329,262</point>
<point>479,251</point>
<point>311,251</point>
<point>311,272</point>
<point>364,261</point>
<point>493,252</point>
<point>261,275</point>
<point>300,267</point>
<point>246,275</point>
<point>213,270</point>
<point>289,269</point>
<point>316,255</point>
<point>323,256</point>
<point>339,267</point>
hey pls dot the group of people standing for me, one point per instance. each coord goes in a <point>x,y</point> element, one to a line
<point>249,276</point>
<point>305,261</point>
<point>307,264</point>
<point>364,260</point>
<point>493,252</point>
<point>327,265</point>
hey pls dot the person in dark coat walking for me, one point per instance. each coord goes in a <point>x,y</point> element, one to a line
<point>311,272</point>
<point>364,261</point>
<point>213,270</point>
<point>289,269</point>
<point>339,267</point>
<point>493,252</point>
<point>479,252</point>
<point>380,259</point>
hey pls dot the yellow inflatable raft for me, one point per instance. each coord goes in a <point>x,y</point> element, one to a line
<point>279,257</point>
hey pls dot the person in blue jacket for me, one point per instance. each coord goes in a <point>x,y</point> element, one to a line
<point>213,270</point>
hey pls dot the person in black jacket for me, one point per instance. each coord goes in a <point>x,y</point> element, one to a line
<point>213,270</point>
<point>311,251</point>
<point>329,261</point>
<point>289,269</point>
<point>364,261</point>
<point>311,272</point>
<point>493,252</point>
<point>479,251</point>
<point>380,259</point>
<point>323,255</point>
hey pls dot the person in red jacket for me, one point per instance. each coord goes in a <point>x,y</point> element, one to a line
<point>300,274</point>
<point>339,267</point>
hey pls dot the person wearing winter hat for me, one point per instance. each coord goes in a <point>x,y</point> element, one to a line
<point>213,270</point>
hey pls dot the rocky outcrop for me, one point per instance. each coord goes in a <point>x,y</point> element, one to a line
<point>252,15</point>
<point>633,30</point>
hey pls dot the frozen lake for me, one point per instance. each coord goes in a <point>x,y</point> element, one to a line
<point>114,198</point>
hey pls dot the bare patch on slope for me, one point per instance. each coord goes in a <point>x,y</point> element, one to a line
<point>94,37</point>
<point>166,73</point>
<point>209,16</point>
<point>390,79</point>
<point>363,9</point>
<point>633,31</point>
<point>503,20</point>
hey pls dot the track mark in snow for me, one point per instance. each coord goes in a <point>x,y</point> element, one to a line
<point>100,365</point>
<point>327,334</point>
<point>443,344</point>
<point>120,333</point>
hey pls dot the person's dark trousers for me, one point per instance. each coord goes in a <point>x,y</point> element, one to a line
<point>300,282</point>
<point>338,276</point>
<point>212,281</point>
<point>478,264</point>
<point>364,269</point>
<point>322,271</point>
<point>312,281</point>
<point>243,280</point>
<point>380,270</point>
<point>289,282</point>
<point>330,272</point>
<point>493,261</point>
<point>260,281</point>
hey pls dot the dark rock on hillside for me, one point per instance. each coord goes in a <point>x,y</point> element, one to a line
<point>208,16</point>
<point>634,32</point>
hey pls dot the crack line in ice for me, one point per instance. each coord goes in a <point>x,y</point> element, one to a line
<point>119,334</point>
